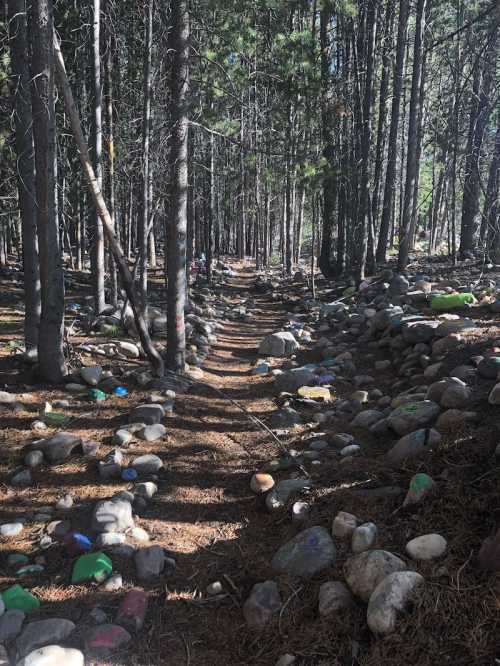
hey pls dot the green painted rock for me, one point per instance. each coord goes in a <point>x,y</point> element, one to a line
<point>94,566</point>
<point>16,597</point>
<point>452,301</point>
<point>420,486</point>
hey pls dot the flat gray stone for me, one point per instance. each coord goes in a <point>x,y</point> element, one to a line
<point>147,464</point>
<point>147,414</point>
<point>151,433</point>
<point>263,603</point>
<point>311,551</point>
<point>365,571</point>
<point>11,623</point>
<point>43,632</point>
<point>60,447</point>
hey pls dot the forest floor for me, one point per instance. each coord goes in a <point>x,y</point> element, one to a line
<point>208,519</point>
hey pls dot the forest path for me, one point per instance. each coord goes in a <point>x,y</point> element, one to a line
<point>207,516</point>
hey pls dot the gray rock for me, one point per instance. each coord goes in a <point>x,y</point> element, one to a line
<point>334,596</point>
<point>426,547</point>
<point>33,458</point>
<point>43,632</point>
<point>150,562</point>
<point>278,344</point>
<point>494,396</point>
<point>300,512</point>
<point>309,552</point>
<point>147,464</point>
<point>53,655</point>
<point>122,437</point>
<point>147,489</point>
<point>10,530</point>
<point>7,398</point>
<point>414,444</point>
<point>367,418</point>
<point>147,414</point>
<point>113,583</point>
<point>114,515</point>
<point>91,375</point>
<point>291,380</point>
<point>365,571</point>
<point>412,416</point>
<point>283,491</point>
<point>285,418</point>
<point>111,466</point>
<point>64,503</point>
<point>107,539</point>
<point>399,286</point>
<point>152,432</point>
<point>436,390</point>
<point>419,331</point>
<point>59,448</point>
<point>364,537</point>
<point>456,397</point>
<point>11,623</point>
<point>106,639</point>
<point>344,524</point>
<point>351,450</point>
<point>391,595</point>
<point>22,478</point>
<point>489,367</point>
<point>263,603</point>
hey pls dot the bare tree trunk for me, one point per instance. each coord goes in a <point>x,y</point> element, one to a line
<point>51,331</point>
<point>100,205</point>
<point>97,255</point>
<point>390,177</point>
<point>26,169</point>
<point>411,158</point>
<point>177,224</point>
<point>111,178</point>
<point>146,132</point>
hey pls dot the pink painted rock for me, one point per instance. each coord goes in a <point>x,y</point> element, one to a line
<point>106,639</point>
<point>132,611</point>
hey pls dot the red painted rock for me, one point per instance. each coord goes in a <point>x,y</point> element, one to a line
<point>106,639</point>
<point>132,611</point>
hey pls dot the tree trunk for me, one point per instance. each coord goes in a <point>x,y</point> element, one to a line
<point>177,224</point>
<point>411,157</point>
<point>52,366</point>
<point>26,170</point>
<point>390,177</point>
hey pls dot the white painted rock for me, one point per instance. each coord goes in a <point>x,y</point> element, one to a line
<point>391,595</point>
<point>53,655</point>
<point>427,547</point>
<point>365,571</point>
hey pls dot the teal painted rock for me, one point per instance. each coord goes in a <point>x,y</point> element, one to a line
<point>16,597</point>
<point>452,301</point>
<point>420,486</point>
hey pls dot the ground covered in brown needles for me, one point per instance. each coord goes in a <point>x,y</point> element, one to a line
<point>207,517</point>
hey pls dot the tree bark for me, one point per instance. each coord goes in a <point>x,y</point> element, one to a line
<point>177,223</point>
<point>26,170</point>
<point>51,361</point>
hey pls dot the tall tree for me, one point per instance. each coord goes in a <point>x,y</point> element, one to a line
<point>25,169</point>
<point>51,331</point>
<point>177,223</point>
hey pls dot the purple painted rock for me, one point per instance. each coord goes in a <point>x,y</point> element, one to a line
<point>106,639</point>
<point>132,611</point>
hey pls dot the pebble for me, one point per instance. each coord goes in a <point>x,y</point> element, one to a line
<point>64,503</point>
<point>22,478</point>
<point>148,489</point>
<point>214,588</point>
<point>286,660</point>
<point>300,511</point>
<point>122,437</point>
<point>351,450</point>
<point>91,375</point>
<point>427,547</point>
<point>150,562</point>
<point>263,603</point>
<point>391,595</point>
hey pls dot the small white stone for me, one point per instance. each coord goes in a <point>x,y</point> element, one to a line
<point>364,537</point>
<point>214,588</point>
<point>426,547</point>
<point>344,524</point>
